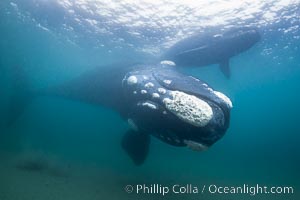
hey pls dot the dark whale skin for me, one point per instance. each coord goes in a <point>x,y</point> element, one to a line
<point>206,49</point>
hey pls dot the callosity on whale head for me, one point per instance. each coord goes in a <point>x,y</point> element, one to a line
<point>178,109</point>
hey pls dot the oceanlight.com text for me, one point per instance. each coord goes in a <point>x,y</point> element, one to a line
<point>210,189</point>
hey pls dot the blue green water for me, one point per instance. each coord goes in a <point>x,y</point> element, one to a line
<point>55,41</point>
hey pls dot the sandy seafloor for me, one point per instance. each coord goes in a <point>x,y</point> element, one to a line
<point>101,170</point>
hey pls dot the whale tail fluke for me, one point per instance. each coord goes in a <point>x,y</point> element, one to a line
<point>225,68</point>
<point>20,97</point>
<point>136,145</point>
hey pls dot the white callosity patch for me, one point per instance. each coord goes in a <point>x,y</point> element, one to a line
<point>161,90</point>
<point>195,145</point>
<point>132,80</point>
<point>224,98</point>
<point>155,95</point>
<point>143,92</point>
<point>167,62</point>
<point>149,85</point>
<point>167,82</point>
<point>132,125</point>
<point>150,105</point>
<point>189,108</point>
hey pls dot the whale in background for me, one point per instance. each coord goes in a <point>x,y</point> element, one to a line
<point>205,49</point>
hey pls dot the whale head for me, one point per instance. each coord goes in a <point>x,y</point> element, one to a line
<point>177,109</point>
<point>242,38</point>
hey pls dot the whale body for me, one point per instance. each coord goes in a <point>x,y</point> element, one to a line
<point>156,100</point>
<point>205,49</point>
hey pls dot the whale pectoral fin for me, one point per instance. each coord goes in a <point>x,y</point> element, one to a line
<point>136,145</point>
<point>224,66</point>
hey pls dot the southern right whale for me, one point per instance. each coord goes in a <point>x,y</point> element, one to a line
<point>156,100</point>
<point>218,48</point>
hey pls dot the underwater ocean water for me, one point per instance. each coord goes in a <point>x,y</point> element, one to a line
<point>61,149</point>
